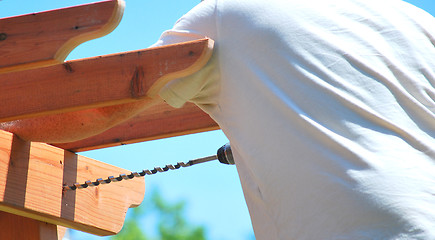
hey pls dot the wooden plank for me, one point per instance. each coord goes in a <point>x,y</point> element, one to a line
<point>46,38</point>
<point>31,180</point>
<point>61,231</point>
<point>98,81</point>
<point>18,227</point>
<point>158,122</point>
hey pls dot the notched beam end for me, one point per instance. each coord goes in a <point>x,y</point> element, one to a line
<point>19,55</point>
<point>117,7</point>
<point>202,52</point>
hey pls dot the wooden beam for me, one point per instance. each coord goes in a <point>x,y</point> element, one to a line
<point>99,81</point>
<point>46,38</point>
<point>18,227</point>
<point>31,180</point>
<point>158,122</point>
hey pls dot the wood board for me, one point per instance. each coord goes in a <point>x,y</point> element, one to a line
<point>157,122</point>
<point>18,227</point>
<point>46,38</point>
<point>31,183</point>
<point>98,81</point>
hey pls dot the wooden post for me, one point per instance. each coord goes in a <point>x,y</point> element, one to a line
<point>18,227</point>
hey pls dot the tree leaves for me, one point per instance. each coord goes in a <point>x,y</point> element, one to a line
<point>169,218</point>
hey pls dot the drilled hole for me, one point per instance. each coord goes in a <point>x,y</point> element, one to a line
<point>3,36</point>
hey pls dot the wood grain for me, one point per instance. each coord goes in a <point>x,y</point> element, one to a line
<point>46,38</point>
<point>98,81</point>
<point>158,122</point>
<point>18,227</point>
<point>31,180</point>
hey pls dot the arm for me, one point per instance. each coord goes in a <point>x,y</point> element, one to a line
<point>73,126</point>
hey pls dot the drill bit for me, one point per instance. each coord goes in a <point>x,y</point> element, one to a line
<point>132,175</point>
<point>224,155</point>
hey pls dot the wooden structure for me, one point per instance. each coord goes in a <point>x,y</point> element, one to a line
<point>35,81</point>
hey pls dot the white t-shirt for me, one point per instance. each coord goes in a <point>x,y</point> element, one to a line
<point>330,110</point>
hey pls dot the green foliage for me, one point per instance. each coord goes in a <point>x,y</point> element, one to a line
<point>171,223</point>
<point>131,229</point>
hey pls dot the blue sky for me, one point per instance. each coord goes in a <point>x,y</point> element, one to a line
<point>212,191</point>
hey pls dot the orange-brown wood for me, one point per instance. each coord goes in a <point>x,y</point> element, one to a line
<point>99,81</point>
<point>158,122</point>
<point>60,232</point>
<point>18,227</point>
<point>46,38</point>
<point>31,180</point>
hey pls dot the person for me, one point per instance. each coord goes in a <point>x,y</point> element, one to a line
<point>330,110</point>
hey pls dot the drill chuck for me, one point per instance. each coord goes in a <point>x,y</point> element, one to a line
<point>225,155</point>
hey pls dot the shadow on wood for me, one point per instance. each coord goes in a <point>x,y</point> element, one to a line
<point>16,178</point>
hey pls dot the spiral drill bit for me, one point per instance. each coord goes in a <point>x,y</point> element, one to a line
<point>224,155</point>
